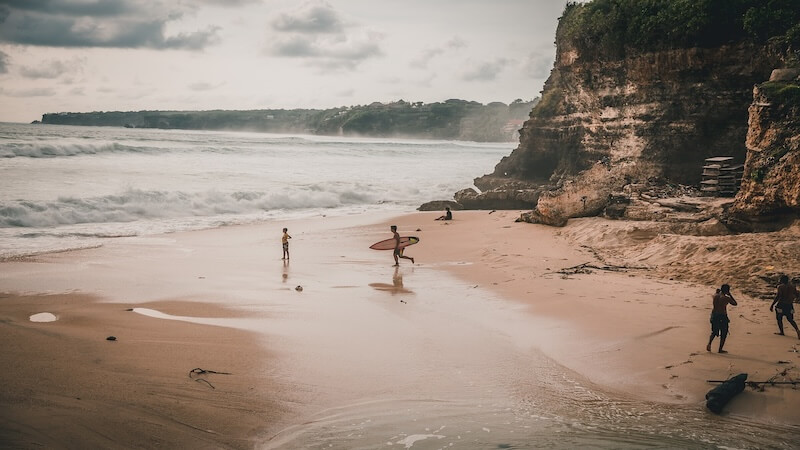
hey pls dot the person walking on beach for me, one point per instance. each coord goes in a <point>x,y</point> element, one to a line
<point>783,304</point>
<point>398,251</point>
<point>719,316</point>
<point>285,241</point>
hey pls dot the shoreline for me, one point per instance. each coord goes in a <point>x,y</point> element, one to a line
<point>631,333</point>
<point>646,333</point>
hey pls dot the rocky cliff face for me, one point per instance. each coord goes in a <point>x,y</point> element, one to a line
<point>770,190</point>
<point>603,124</point>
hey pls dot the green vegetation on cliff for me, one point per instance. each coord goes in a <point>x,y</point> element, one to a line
<point>611,28</point>
<point>782,91</point>
<point>451,119</point>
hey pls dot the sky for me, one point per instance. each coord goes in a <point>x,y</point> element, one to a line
<point>131,55</point>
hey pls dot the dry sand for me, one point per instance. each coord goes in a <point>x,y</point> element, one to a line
<point>636,332</point>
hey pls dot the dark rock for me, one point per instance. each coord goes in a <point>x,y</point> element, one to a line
<point>111,338</point>
<point>498,199</point>
<point>440,205</point>
<point>615,211</point>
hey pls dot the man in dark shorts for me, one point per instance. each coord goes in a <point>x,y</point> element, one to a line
<point>719,316</point>
<point>783,304</point>
<point>398,251</point>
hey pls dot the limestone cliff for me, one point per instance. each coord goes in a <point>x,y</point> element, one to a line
<point>770,190</point>
<point>610,118</point>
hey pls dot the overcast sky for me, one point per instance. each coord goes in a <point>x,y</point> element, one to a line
<point>130,55</point>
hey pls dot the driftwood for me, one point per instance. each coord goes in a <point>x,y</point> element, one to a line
<point>749,320</point>
<point>759,385</point>
<point>199,372</point>
<point>586,268</point>
<point>717,398</point>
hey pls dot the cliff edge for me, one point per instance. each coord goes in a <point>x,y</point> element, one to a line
<point>770,190</point>
<point>638,95</point>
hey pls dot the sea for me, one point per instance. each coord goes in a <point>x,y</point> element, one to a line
<point>71,187</point>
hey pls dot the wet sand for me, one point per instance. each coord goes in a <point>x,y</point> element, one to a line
<point>482,327</point>
<point>64,385</point>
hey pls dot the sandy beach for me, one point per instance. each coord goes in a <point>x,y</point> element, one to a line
<point>483,320</point>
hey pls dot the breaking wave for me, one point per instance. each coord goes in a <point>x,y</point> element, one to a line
<point>63,148</point>
<point>134,204</point>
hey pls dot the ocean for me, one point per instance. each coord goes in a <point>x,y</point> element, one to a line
<point>70,187</point>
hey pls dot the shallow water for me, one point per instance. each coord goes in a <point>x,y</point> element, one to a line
<point>470,376</point>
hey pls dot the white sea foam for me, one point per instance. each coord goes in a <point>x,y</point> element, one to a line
<point>135,204</point>
<point>65,187</point>
<point>55,149</point>
<point>43,317</point>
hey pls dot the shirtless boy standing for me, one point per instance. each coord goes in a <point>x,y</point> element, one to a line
<point>285,242</point>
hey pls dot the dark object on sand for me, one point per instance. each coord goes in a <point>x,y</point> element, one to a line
<point>718,397</point>
<point>111,338</point>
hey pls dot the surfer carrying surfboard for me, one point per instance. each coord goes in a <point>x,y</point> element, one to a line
<point>398,251</point>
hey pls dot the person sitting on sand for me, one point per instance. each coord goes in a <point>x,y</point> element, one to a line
<point>784,298</point>
<point>448,215</point>
<point>285,241</point>
<point>719,316</point>
<point>398,252</point>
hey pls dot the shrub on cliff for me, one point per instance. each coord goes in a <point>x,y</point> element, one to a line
<point>609,29</point>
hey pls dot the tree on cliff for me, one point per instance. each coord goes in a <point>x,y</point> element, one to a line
<point>612,28</point>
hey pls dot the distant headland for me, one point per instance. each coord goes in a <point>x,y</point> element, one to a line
<point>452,119</point>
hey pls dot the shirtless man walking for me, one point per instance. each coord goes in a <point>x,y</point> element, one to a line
<point>398,252</point>
<point>783,304</point>
<point>719,316</point>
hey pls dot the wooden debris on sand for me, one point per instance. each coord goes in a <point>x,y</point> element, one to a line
<point>717,398</point>
<point>587,268</point>
<point>195,374</point>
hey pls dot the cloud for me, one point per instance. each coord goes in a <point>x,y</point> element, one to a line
<point>54,68</point>
<point>203,86</point>
<point>230,3</point>
<point>317,34</point>
<point>32,92</point>
<point>312,17</point>
<point>3,62</point>
<point>339,52</point>
<point>340,47</point>
<point>421,62</point>
<point>100,23</point>
<point>486,71</point>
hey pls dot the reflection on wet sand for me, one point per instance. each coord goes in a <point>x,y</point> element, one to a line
<point>397,284</point>
<point>285,275</point>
